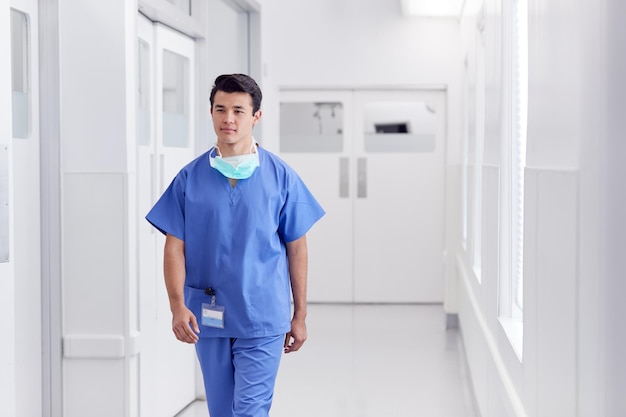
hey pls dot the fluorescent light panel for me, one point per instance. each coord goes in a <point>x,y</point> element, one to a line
<point>432,8</point>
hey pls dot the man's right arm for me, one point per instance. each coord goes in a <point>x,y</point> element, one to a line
<point>184,323</point>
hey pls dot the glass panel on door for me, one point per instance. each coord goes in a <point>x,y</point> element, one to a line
<point>399,126</point>
<point>20,74</point>
<point>311,127</point>
<point>143,93</point>
<point>175,100</point>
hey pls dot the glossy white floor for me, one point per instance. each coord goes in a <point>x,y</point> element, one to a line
<point>372,360</point>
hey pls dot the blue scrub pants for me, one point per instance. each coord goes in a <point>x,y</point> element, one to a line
<point>239,374</point>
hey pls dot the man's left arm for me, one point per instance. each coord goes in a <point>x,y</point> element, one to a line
<point>297,255</point>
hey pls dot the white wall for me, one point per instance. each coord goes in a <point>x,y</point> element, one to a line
<point>7,300</point>
<point>97,100</point>
<point>569,278</point>
<point>343,44</point>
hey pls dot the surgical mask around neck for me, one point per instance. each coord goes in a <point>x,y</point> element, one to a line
<point>237,167</point>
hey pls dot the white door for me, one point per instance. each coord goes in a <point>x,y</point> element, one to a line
<point>25,253</point>
<point>376,161</point>
<point>165,103</point>
<point>316,138</point>
<point>399,213</point>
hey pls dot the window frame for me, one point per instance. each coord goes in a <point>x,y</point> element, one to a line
<point>514,138</point>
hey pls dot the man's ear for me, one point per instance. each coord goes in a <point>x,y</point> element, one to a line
<point>257,116</point>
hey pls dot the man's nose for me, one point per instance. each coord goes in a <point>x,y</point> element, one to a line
<point>230,117</point>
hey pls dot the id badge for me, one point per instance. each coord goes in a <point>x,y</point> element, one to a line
<point>213,315</point>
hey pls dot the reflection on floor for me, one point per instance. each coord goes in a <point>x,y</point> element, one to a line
<point>372,360</point>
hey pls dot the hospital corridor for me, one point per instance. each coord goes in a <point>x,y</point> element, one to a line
<point>432,189</point>
<point>372,360</point>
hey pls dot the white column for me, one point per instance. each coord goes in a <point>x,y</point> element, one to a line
<point>97,99</point>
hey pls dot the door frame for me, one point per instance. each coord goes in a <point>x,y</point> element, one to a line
<point>50,173</point>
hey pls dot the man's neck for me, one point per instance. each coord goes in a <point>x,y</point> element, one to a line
<point>240,148</point>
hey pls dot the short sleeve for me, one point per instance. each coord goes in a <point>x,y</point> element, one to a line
<point>300,212</point>
<point>168,213</point>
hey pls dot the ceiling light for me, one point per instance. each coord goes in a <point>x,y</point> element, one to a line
<point>432,8</point>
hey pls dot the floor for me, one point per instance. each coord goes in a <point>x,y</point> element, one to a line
<point>372,360</point>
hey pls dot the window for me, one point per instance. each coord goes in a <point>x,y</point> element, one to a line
<point>479,147</point>
<point>518,151</point>
<point>473,150</point>
<point>465,165</point>
<point>511,302</point>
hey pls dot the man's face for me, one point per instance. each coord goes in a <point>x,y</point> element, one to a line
<point>233,118</point>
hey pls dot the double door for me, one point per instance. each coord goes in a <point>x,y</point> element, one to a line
<point>165,132</point>
<point>375,159</point>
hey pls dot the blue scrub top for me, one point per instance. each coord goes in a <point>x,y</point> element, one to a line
<point>235,240</point>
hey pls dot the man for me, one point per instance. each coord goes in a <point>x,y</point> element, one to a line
<point>235,221</point>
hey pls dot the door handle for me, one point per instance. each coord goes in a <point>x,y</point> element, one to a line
<point>361,175</point>
<point>344,175</point>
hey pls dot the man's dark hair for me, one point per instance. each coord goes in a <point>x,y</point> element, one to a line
<point>238,83</point>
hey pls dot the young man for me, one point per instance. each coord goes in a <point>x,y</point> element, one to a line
<point>235,221</point>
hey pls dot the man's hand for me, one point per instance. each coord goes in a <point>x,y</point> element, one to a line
<point>297,256</point>
<point>184,325</point>
<point>297,333</point>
